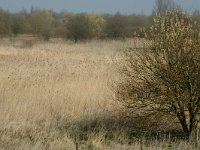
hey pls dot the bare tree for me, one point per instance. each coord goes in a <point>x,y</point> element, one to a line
<point>164,77</point>
<point>161,6</point>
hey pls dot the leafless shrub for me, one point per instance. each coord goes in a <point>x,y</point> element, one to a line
<point>163,77</point>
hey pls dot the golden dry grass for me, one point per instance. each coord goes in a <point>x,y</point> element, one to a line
<point>47,85</point>
<point>53,80</point>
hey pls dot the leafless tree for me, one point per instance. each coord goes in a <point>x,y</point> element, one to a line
<point>163,77</point>
<point>161,6</point>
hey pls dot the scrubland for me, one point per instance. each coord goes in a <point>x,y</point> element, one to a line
<point>58,95</point>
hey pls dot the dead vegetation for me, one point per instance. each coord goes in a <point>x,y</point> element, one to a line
<point>56,94</point>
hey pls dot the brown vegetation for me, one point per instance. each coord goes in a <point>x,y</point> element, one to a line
<point>55,94</point>
<point>162,78</point>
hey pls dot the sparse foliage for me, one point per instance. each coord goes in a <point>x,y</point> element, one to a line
<point>161,6</point>
<point>164,76</point>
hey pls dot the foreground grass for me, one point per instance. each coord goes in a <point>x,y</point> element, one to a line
<point>57,94</point>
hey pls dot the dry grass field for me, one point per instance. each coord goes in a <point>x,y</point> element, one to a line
<point>47,88</point>
<point>52,80</point>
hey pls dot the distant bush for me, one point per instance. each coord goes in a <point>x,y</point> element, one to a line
<point>116,26</point>
<point>5,23</point>
<point>41,22</point>
<point>84,26</point>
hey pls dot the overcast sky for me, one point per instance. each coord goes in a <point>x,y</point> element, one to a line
<point>97,6</point>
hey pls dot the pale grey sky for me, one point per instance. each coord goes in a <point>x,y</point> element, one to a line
<point>98,6</point>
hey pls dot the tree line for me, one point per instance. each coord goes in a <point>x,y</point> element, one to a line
<point>46,24</point>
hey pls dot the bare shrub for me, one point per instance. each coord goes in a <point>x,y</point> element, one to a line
<point>162,79</point>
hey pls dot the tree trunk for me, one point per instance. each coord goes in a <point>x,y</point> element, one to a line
<point>183,122</point>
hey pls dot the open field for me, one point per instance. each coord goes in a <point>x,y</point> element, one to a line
<point>50,79</point>
<point>48,88</point>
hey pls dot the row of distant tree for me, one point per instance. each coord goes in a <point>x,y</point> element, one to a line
<point>47,24</point>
